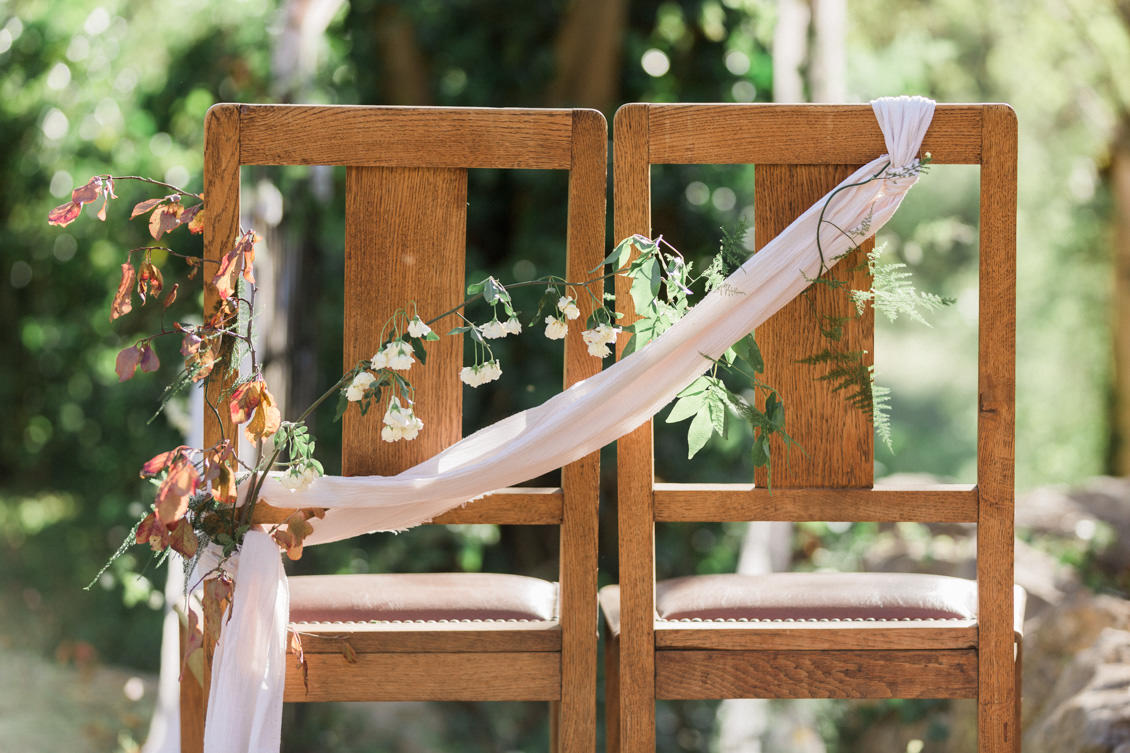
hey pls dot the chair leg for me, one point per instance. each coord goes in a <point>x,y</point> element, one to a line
<point>611,693</point>
<point>1018,730</point>
<point>555,727</point>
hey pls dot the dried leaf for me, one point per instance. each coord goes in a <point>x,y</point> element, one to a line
<point>152,532</point>
<point>193,658</point>
<point>239,260</point>
<point>219,464</point>
<point>64,214</point>
<point>253,403</point>
<point>157,463</point>
<point>165,218</point>
<point>149,280</point>
<point>148,360</point>
<point>183,539</point>
<point>348,651</point>
<point>126,363</point>
<point>172,296</point>
<point>122,304</point>
<point>145,206</point>
<point>194,218</point>
<point>177,489</point>
<point>300,656</point>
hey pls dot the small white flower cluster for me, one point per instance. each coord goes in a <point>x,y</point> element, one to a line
<point>400,422</point>
<point>397,355</point>
<point>358,386</point>
<point>417,328</point>
<point>480,373</point>
<point>555,326</point>
<point>494,329</point>
<point>599,338</point>
<point>567,306</point>
<point>295,480</point>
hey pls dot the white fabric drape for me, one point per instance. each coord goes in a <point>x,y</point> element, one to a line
<point>246,698</point>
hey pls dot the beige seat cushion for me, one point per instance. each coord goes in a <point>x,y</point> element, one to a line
<point>421,597</point>
<point>806,596</point>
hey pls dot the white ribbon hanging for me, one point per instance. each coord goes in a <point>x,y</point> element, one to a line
<point>245,703</point>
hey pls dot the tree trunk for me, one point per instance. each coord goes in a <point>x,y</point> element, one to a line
<point>587,53</point>
<point>1120,327</point>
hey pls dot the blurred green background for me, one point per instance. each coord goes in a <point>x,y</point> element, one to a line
<point>93,87</point>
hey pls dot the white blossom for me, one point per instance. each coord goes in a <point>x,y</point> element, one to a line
<point>296,480</point>
<point>512,326</point>
<point>480,373</point>
<point>397,355</point>
<point>599,338</point>
<point>417,328</point>
<point>555,329</point>
<point>494,330</point>
<point>568,307</point>
<point>357,387</point>
<point>400,422</point>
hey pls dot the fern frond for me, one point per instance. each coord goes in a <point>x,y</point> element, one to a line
<point>881,411</point>
<point>892,293</point>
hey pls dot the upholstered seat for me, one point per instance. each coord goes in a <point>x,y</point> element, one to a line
<point>421,597</point>
<point>809,597</point>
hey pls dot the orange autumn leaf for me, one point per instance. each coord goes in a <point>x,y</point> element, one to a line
<point>177,489</point>
<point>149,280</point>
<point>65,214</point>
<point>217,598</point>
<point>145,206</point>
<point>122,304</point>
<point>165,218</point>
<point>219,463</point>
<point>239,260</point>
<point>193,217</point>
<point>253,403</point>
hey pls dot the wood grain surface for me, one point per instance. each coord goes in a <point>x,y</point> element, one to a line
<point>838,439</point>
<point>635,471</point>
<point>768,134</point>
<point>940,503</point>
<point>534,676</point>
<point>683,675</point>
<point>406,136</point>
<point>874,636</point>
<point>996,387</point>
<point>435,637</point>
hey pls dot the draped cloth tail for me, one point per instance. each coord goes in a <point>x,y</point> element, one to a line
<point>245,704</point>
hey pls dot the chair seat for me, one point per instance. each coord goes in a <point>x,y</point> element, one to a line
<point>808,597</point>
<point>421,598</point>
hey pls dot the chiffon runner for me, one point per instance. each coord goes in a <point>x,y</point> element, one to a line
<point>248,672</point>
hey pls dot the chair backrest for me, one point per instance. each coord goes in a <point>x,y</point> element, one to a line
<point>405,230</point>
<point>801,152</point>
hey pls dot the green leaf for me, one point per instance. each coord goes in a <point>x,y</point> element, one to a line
<point>699,432</point>
<point>747,350</point>
<point>476,287</point>
<point>418,349</point>
<point>431,336</point>
<point>645,286</point>
<point>759,453</point>
<point>685,407</point>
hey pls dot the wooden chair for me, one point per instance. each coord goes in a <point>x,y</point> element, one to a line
<point>679,639</point>
<point>470,637</point>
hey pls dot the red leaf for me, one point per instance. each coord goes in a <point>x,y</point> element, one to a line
<point>157,463</point>
<point>102,209</point>
<point>153,532</point>
<point>244,401</point>
<point>126,363</point>
<point>253,403</point>
<point>176,490</point>
<point>194,218</point>
<point>149,280</point>
<point>182,538</point>
<point>239,259</point>
<point>148,360</point>
<point>146,206</point>
<point>87,193</point>
<point>122,304</point>
<point>64,214</point>
<point>165,218</point>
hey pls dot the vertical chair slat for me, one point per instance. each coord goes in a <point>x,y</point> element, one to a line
<point>635,464</point>
<point>995,430</point>
<point>405,240</point>
<point>580,480</point>
<point>837,438</point>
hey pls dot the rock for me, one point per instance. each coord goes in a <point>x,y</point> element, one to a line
<point>1077,677</point>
